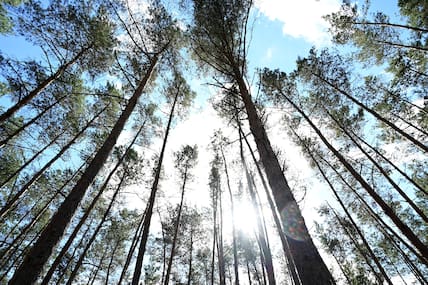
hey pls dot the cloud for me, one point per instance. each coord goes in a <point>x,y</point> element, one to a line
<point>301,19</point>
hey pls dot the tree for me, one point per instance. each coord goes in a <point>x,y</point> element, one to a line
<point>219,41</point>
<point>185,160</point>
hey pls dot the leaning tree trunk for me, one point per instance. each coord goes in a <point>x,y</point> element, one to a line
<point>151,202</point>
<point>12,201</point>
<point>308,261</point>
<point>97,230</point>
<point>285,247</point>
<point>38,255</point>
<point>43,85</point>
<point>30,122</point>
<point>374,113</point>
<point>405,229</point>
<point>348,214</point>
<point>176,228</point>
<point>76,229</point>
<point>264,248</point>
<point>232,210</point>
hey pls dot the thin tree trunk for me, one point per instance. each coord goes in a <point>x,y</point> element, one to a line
<point>385,207</point>
<point>214,241</point>
<point>28,162</point>
<point>232,209</point>
<point>308,262</point>
<point>112,255</point>
<point>248,271</point>
<point>95,233</point>
<point>24,126</point>
<point>264,249</point>
<point>398,45</point>
<point>87,212</point>
<point>359,249</point>
<point>285,247</point>
<point>163,248</point>
<point>220,249</point>
<point>375,216</point>
<point>381,170</point>
<point>29,270</point>
<point>97,268</point>
<point>78,246</point>
<point>419,187</point>
<point>176,228</point>
<point>15,199</point>
<point>151,202</point>
<point>374,113</point>
<point>134,243</point>
<point>386,24</point>
<point>348,215</point>
<point>42,86</point>
<point>189,275</point>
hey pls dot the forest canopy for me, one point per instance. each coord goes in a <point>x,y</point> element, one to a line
<point>213,142</point>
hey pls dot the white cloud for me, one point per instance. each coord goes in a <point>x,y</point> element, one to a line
<point>301,19</point>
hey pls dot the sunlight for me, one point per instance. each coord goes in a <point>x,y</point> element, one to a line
<point>245,217</point>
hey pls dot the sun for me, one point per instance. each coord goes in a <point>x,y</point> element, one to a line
<point>245,217</point>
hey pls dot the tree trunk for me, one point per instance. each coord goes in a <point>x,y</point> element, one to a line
<point>309,263</point>
<point>232,209</point>
<point>24,126</point>
<point>112,255</point>
<point>386,24</point>
<point>385,207</point>
<point>264,249</point>
<point>176,228</point>
<point>285,247</point>
<point>376,217</point>
<point>189,276</point>
<point>78,246</point>
<point>43,85</point>
<point>357,246</point>
<point>134,243</point>
<point>214,241</point>
<point>28,162</point>
<point>220,246</point>
<point>95,233</point>
<point>381,170</point>
<point>15,199</point>
<point>89,209</point>
<point>419,187</point>
<point>33,264</point>
<point>151,202</point>
<point>374,113</point>
<point>348,215</point>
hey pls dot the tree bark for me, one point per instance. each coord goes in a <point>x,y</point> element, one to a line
<point>285,247</point>
<point>264,249</point>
